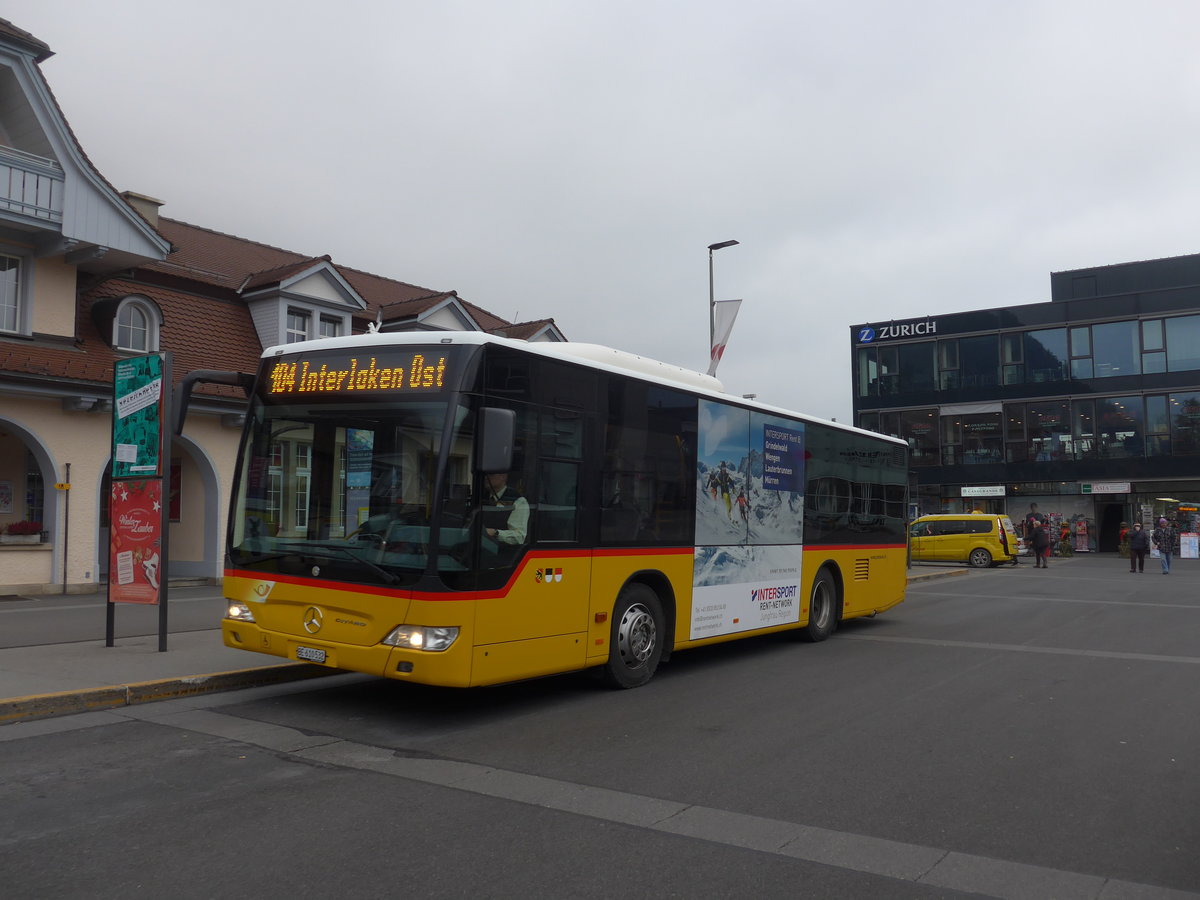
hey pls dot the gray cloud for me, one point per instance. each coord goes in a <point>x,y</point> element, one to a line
<point>875,159</point>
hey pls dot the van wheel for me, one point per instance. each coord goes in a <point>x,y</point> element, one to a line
<point>980,558</point>
<point>636,640</point>
<point>822,608</point>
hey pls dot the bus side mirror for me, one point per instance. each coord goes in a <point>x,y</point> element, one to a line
<point>497,430</point>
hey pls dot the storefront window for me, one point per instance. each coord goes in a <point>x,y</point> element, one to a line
<point>980,438</point>
<point>1116,349</point>
<point>1122,427</point>
<point>1046,355</point>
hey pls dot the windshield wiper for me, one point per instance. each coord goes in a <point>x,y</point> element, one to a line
<point>301,546</point>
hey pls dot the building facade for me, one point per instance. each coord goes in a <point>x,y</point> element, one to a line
<point>90,276</point>
<point>1087,405</point>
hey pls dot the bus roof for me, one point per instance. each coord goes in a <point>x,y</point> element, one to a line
<point>596,356</point>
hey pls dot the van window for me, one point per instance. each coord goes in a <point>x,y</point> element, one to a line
<point>948,526</point>
<point>979,526</point>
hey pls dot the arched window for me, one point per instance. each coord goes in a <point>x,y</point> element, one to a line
<point>136,325</point>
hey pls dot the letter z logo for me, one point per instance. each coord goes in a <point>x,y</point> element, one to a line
<point>866,335</point>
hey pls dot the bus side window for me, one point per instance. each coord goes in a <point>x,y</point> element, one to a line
<point>558,505</point>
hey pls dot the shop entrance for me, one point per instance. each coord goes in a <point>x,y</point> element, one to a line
<point>1111,516</point>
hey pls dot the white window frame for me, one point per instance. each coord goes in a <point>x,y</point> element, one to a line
<point>153,318</point>
<point>331,326</point>
<point>18,304</point>
<point>292,334</point>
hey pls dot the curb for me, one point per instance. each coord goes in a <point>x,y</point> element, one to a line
<point>66,703</point>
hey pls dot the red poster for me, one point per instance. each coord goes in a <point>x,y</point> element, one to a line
<point>136,538</point>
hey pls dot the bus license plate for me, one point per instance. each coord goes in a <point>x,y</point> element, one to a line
<point>310,654</point>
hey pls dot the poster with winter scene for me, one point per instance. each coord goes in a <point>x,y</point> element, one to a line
<point>749,521</point>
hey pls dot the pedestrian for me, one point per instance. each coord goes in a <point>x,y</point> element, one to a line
<point>1164,539</point>
<point>1041,546</point>
<point>1139,546</point>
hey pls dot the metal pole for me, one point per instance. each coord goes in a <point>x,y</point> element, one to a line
<point>712,306</point>
<point>66,525</point>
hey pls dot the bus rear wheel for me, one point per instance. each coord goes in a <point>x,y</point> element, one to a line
<point>822,608</point>
<point>636,639</point>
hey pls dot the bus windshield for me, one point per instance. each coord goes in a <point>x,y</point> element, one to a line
<point>347,491</point>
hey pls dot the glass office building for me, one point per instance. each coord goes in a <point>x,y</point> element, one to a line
<point>1088,405</point>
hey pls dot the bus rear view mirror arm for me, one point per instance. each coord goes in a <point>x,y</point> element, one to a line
<point>183,393</point>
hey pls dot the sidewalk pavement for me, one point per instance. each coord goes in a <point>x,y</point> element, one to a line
<point>48,680</point>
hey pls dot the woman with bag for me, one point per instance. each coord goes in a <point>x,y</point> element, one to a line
<point>1139,546</point>
<point>1041,546</point>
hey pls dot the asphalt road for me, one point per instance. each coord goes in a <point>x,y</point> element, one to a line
<point>1011,733</point>
<point>51,619</point>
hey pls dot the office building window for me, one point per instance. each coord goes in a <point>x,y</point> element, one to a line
<point>1046,354</point>
<point>1121,426</point>
<point>1116,349</point>
<point>1185,424</point>
<point>1183,343</point>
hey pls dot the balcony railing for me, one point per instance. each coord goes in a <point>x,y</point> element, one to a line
<point>30,185</point>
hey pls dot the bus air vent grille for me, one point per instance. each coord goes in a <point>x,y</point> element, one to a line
<point>862,569</point>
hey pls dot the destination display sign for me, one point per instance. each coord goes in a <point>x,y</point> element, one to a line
<point>359,373</point>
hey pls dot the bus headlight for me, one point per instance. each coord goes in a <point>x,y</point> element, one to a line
<point>422,637</point>
<point>239,612</point>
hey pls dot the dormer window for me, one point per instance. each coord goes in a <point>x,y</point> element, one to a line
<point>298,323</point>
<point>136,325</point>
<point>331,326</point>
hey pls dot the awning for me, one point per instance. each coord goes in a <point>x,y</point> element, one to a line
<point>969,409</point>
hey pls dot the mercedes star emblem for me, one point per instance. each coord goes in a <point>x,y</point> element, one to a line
<point>312,620</point>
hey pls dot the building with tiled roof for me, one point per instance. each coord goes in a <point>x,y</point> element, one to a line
<point>90,277</point>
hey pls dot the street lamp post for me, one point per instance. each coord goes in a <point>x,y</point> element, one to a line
<point>712,301</point>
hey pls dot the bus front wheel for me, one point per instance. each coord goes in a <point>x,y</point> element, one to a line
<point>636,639</point>
<point>822,608</point>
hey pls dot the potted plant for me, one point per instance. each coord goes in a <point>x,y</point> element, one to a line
<point>23,532</point>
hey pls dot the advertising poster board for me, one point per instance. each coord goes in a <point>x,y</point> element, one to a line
<point>135,562</point>
<point>137,425</point>
<point>749,521</point>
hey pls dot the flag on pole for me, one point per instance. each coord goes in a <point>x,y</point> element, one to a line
<point>724,312</point>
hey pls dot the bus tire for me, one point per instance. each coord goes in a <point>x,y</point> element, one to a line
<point>637,636</point>
<point>822,608</point>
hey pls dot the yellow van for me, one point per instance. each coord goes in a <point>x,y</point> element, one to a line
<point>977,539</point>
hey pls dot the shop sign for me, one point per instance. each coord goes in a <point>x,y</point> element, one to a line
<point>1105,487</point>
<point>994,490</point>
<point>895,330</point>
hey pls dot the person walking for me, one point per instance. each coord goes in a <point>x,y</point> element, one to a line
<point>1139,546</point>
<point>1041,546</point>
<point>1164,539</point>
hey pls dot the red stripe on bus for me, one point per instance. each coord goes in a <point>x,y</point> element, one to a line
<point>455,596</point>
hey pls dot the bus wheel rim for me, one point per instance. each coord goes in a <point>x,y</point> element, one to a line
<point>636,636</point>
<point>820,607</point>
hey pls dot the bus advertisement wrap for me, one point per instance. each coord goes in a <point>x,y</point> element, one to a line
<point>749,521</point>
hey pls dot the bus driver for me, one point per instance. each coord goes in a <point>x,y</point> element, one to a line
<point>506,516</point>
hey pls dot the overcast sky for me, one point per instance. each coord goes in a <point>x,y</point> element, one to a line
<point>573,160</point>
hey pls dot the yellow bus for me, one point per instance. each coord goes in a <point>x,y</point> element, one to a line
<point>460,509</point>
